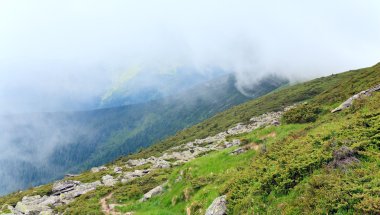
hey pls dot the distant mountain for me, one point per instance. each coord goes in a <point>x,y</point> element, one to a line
<point>41,147</point>
<point>140,84</point>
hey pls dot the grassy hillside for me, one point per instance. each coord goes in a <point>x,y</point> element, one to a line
<point>330,90</point>
<point>315,162</point>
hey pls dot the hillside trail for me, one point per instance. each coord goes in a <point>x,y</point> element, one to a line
<point>109,209</point>
<point>105,207</point>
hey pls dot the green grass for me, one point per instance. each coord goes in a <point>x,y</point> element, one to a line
<point>202,179</point>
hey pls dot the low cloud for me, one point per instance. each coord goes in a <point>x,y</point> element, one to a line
<point>63,55</point>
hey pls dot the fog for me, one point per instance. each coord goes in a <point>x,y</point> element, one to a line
<point>61,55</point>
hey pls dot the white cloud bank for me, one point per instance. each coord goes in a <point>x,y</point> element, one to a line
<point>58,52</point>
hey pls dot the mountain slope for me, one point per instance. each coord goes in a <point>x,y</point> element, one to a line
<point>314,162</point>
<point>43,147</point>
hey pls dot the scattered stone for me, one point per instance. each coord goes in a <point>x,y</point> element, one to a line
<point>71,175</point>
<point>153,192</point>
<point>108,180</point>
<point>362,94</point>
<point>218,206</point>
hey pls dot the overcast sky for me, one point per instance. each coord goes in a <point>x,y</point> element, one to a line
<point>58,52</point>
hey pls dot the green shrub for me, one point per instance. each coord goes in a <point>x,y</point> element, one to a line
<point>304,113</point>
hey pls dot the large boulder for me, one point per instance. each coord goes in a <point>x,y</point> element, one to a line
<point>31,205</point>
<point>218,206</point>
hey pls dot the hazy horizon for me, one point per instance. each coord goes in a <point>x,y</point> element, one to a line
<point>62,55</point>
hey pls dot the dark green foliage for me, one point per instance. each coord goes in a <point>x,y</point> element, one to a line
<point>303,113</point>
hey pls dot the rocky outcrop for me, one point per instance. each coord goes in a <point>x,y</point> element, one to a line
<point>351,100</point>
<point>64,186</point>
<point>80,189</point>
<point>64,192</point>
<point>218,206</point>
<point>153,192</point>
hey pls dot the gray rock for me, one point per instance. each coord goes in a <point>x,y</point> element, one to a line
<point>346,104</point>
<point>79,190</point>
<point>98,169</point>
<point>64,186</point>
<point>161,164</point>
<point>153,192</point>
<point>234,142</point>
<point>31,205</point>
<point>137,162</point>
<point>108,180</point>
<point>129,176</point>
<point>218,206</point>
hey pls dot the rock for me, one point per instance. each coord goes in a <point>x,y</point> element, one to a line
<point>98,169</point>
<point>153,192</point>
<point>238,151</point>
<point>218,206</point>
<point>235,142</point>
<point>118,170</point>
<point>161,164</point>
<point>79,190</point>
<point>129,176</point>
<point>349,102</point>
<point>108,180</point>
<point>32,205</point>
<point>343,157</point>
<point>184,156</point>
<point>64,186</point>
<point>138,162</point>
